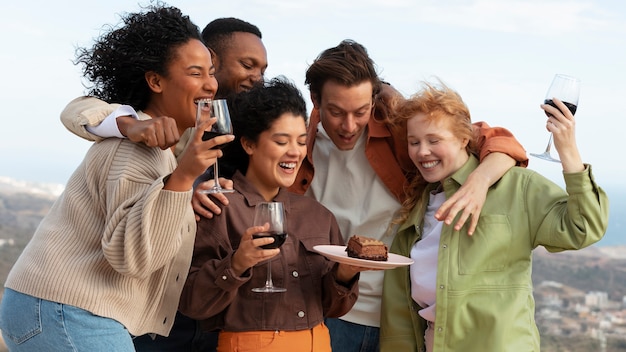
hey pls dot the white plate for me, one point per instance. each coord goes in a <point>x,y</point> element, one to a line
<point>338,254</point>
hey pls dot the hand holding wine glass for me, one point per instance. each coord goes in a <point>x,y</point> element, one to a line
<point>272,214</point>
<point>566,89</point>
<point>219,109</point>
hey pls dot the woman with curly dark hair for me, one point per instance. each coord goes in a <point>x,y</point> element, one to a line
<point>269,123</point>
<point>110,259</point>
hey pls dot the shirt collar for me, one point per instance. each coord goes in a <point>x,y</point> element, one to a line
<point>450,185</point>
<point>461,175</point>
<point>252,196</point>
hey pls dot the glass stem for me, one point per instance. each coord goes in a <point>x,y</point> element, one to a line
<point>268,280</point>
<point>216,176</point>
<point>548,147</point>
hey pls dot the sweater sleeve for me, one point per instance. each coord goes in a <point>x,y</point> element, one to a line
<point>500,140</point>
<point>86,111</point>
<point>144,224</point>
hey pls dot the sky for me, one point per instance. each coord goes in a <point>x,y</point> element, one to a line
<point>500,55</point>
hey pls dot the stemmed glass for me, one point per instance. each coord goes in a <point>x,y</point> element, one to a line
<point>567,90</point>
<point>274,214</point>
<point>217,108</point>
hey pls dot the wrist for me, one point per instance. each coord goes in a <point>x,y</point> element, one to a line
<point>178,182</point>
<point>235,266</point>
<point>344,275</point>
<point>123,123</point>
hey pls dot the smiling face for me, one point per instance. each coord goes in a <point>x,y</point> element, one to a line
<point>241,63</point>
<point>344,111</point>
<point>190,77</point>
<point>433,148</point>
<point>277,155</point>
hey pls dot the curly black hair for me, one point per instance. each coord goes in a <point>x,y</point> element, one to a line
<point>147,41</point>
<point>254,111</point>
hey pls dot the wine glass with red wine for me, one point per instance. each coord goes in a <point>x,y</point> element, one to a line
<point>566,89</point>
<point>217,108</point>
<point>274,214</point>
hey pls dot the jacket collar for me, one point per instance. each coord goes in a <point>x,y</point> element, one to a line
<point>252,196</point>
<point>450,186</point>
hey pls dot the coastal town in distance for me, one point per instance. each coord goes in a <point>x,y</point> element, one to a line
<point>580,299</point>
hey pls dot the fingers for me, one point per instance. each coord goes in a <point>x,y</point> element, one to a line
<point>444,210</point>
<point>158,132</point>
<point>558,114</point>
<point>251,247</point>
<point>249,254</point>
<point>467,204</point>
<point>203,204</point>
<point>204,124</point>
<point>474,216</point>
<point>228,184</point>
<point>161,133</point>
<point>220,140</point>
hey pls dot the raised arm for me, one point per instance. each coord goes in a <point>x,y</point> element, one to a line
<point>561,124</point>
<point>499,151</point>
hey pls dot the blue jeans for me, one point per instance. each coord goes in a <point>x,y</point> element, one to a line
<point>351,337</point>
<point>32,324</point>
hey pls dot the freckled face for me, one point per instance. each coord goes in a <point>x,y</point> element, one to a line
<point>277,155</point>
<point>434,149</point>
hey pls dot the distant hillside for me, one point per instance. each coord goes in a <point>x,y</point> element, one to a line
<point>591,269</point>
<point>20,214</point>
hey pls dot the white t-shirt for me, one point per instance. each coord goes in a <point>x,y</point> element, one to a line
<point>346,184</point>
<point>424,252</point>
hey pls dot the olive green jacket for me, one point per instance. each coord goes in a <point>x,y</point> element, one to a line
<point>485,296</point>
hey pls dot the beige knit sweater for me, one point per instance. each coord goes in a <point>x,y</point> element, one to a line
<point>114,243</point>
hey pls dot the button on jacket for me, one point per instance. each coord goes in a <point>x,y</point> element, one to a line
<point>484,288</point>
<point>224,301</point>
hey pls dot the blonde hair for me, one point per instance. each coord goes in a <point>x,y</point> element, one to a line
<point>437,103</point>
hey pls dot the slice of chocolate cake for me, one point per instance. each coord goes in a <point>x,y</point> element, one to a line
<point>366,248</point>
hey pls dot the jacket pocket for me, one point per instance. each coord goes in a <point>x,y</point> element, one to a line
<point>21,316</point>
<point>488,248</point>
<point>315,261</point>
<point>310,242</point>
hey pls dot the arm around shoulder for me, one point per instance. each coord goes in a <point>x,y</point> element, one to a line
<point>86,111</point>
<point>498,140</point>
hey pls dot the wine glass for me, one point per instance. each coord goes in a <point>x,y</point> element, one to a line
<point>567,90</point>
<point>274,214</point>
<point>217,108</point>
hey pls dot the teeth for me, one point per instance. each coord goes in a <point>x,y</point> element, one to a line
<point>430,164</point>
<point>287,165</point>
<point>202,100</point>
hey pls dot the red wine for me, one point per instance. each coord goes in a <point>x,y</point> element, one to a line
<point>571,107</point>
<point>279,239</point>
<point>210,135</point>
